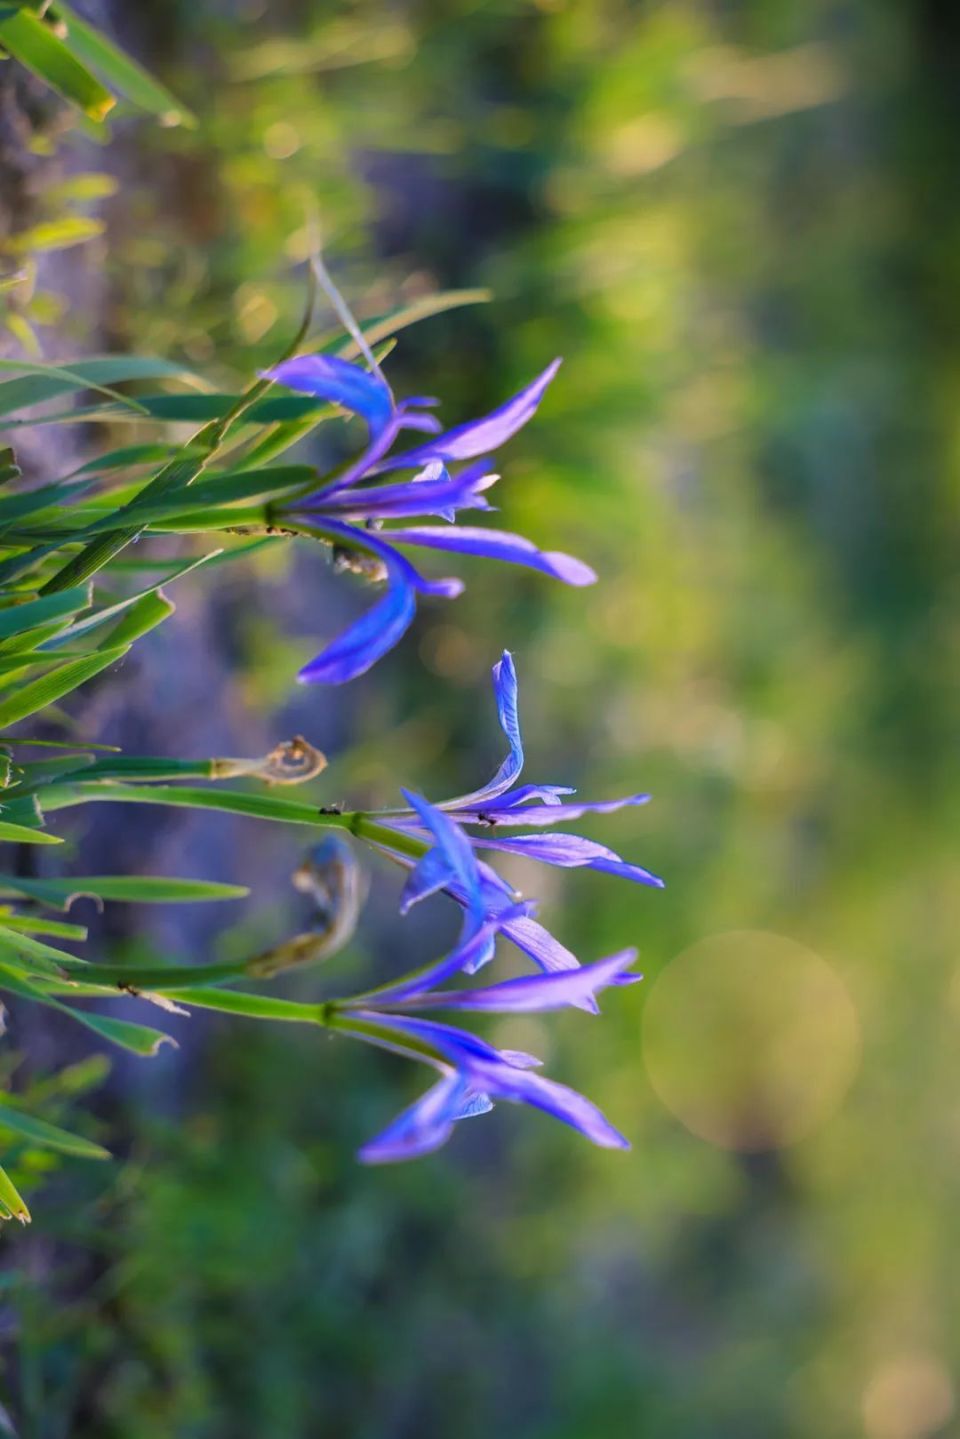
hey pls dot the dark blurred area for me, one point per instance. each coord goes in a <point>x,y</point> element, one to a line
<point>740,225</point>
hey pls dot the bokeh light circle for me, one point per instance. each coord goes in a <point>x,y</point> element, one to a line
<point>750,1040</point>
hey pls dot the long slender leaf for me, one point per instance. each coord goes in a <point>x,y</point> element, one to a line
<point>120,71</point>
<point>428,305</point>
<point>60,234</point>
<point>115,611</point>
<point>49,1135</point>
<point>51,928</point>
<point>39,693</point>
<point>139,889</point>
<point>20,834</point>
<point>10,1200</point>
<point>78,379</point>
<point>16,507</point>
<point>32,954</point>
<point>148,612</point>
<point>66,603</point>
<point>138,1038</point>
<point>35,45</point>
<point>46,382</point>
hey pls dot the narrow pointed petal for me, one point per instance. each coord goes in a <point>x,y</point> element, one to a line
<point>457,1047</point>
<point>492,1074</point>
<point>497,545</point>
<point>427,1124</point>
<point>428,875</point>
<point>484,436</point>
<point>376,632</point>
<point>366,641</point>
<point>474,948</point>
<point>525,1087</point>
<point>520,1060</point>
<point>545,950</point>
<point>454,853</point>
<point>340,382</point>
<point>570,851</point>
<point>547,794</point>
<point>503,813</point>
<point>437,495</point>
<point>506,693</point>
<point>531,993</point>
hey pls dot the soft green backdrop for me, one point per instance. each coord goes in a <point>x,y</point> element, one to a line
<point>739,225</point>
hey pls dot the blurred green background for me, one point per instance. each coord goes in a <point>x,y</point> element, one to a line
<point>739,223</point>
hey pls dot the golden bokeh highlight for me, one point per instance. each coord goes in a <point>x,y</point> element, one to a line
<point>750,1040</point>
<point>907,1397</point>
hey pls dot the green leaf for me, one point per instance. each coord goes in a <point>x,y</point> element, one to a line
<point>23,809</point>
<point>139,889</point>
<point>422,309</point>
<point>134,768</point>
<point>181,472</point>
<point>52,928</point>
<point>78,379</point>
<point>114,611</point>
<point>9,469</point>
<point>126,457</point>
<point>227,489</point>
<point>17,565</point>
<point>32,956</point>
<point>20,834</point>
<point>87,185</point>
<point>36,774</point>
<point>59,234</point>
<point>22,331</point>
<point>77,745</point>
<point>49,1135</point>
<point>36,46</point>
<point>46,382</point>
<point>190,409</point>
<point>138,1038</point>
<point>64,604</point>
<point>15,507</point>
<point>49,688</point>
<point>148,612</point>
<point>124,74</point>
<point>106,979</point>
<point>10,282</point>
<point>10,1200</point>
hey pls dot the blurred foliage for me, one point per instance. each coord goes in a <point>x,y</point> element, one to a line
<point>739,224</point>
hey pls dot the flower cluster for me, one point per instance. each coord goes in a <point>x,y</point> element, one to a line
<point>350,513</point>
<point>444,858</point>
<point>447,847</point>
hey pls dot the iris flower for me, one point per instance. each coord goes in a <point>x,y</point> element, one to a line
<point>350,513</point>
<point>474,1074</point>
<point>490,904</point>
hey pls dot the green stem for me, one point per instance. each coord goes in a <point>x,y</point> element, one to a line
<point>285,811</point>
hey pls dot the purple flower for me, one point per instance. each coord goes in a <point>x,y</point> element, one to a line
<point>499,805</point>
<point>502,804</point>
<point>529,993</point>
<point>473,1074</point>
<point>346,511</point>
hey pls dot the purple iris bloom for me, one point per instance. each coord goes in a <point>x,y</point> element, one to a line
<point>473,1074</point>
<point>448,865</point>
<point>350,514</point>
<point>502,804</point>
